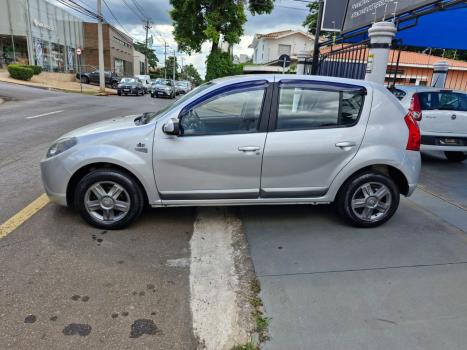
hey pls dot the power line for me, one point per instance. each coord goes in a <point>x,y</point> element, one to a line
<point>140,9</point>
<point>116,19</point>
<point>141,18</point>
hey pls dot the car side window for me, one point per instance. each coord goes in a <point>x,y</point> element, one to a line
<point>233,113</point>
<point>304,108</point>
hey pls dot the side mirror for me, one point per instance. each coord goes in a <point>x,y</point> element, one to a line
<point>171,127</point>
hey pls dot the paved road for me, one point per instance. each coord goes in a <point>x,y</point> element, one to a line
<point>67,285</point>
<point>401,286</point>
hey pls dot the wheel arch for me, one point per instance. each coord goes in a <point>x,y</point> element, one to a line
<point>394,173</point>
<point>86,169</point>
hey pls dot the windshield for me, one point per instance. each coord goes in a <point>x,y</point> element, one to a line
<point>128,80</point>
<point>179,102</point>
<point>164,82</point>
<point>443,100</point>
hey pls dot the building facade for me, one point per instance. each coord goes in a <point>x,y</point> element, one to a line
<point>269,47</point>
<point>38,32</point>
<point>118,49</point>
<point>139,61</point>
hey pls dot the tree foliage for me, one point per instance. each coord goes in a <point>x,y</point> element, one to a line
<point>312,19</point>
<point>149,53</point>
<point>190,73</point>
<point>197,21</point>
<point>219,64</point>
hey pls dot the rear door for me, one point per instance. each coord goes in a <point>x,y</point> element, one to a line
<point>444,112</point>
<point>315,130</point>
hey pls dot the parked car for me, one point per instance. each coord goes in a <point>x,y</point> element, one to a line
<point>146,80</point>
<point>163,88</point>
<point>256,139</point>
<point>443,121</point>
<point>111,78</point>
<point>130,86</point>
<point>183,86</point>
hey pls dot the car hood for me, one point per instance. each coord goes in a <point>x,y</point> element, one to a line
<point>161,86</point>
<point>103,126</point>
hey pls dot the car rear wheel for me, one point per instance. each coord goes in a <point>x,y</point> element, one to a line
<point>368,199</point>
<point>119,93</point>
<point>85,80</point>
<point>455,156</point>
<point>109,199</point>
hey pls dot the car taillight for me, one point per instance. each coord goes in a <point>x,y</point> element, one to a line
<point>415,109</point>
<point>413,143</point>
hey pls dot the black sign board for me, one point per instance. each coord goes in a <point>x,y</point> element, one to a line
<point>333,15</point>
<point>361,13</point>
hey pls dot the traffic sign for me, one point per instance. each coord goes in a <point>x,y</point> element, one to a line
<point>284,61</point>
<point>333,15</point>
<point>78,51</point>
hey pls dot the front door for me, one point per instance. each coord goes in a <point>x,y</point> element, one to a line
<point>218,155</point>
<point>316,130</point>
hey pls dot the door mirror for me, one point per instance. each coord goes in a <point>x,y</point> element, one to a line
<point>171,127</point>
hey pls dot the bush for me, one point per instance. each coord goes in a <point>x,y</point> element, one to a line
<point>36,69</point>
<point>18,72</point>
<point>219,64</point>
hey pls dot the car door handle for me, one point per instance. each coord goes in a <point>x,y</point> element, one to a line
<point>249,148</point>
<point>346,144</point>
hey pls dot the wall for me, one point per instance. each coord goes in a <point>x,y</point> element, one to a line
<point>268,49</point>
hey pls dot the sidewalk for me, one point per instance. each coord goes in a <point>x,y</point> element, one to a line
<point>43,82</point>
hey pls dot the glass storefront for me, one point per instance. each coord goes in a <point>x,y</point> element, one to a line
<point>38,32</point>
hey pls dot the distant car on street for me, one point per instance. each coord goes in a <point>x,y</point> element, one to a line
<point>163,88</point>
<point>130,86</point>
<point>183,86</point>
<point>111,78</point>
<point>245,140</point>
<point>146,81</point>
<point>443,121</point>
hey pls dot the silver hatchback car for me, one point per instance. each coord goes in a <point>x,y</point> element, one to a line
<point>246,140</point>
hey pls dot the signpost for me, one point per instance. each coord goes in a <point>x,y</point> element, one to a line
<point>284,61</point>
<point>333,15</point>
<point>78,53</point>
<point>361,13</point>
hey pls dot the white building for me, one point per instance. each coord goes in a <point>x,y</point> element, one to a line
<point>138,63</point>
<point>269,47</point>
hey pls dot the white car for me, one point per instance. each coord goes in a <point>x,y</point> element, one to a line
<point>443,121</point>
<point>146,80</point>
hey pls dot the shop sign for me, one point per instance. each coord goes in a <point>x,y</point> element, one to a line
<point>42,25</point>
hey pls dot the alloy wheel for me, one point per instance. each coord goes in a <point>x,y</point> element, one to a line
<point>107,201</point>
<point>371,201</point>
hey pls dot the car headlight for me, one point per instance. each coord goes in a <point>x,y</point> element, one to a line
<point>61,146</point>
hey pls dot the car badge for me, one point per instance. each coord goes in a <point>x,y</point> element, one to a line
<point>141,147</point>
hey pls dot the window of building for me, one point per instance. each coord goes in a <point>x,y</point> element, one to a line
<point>285,49</point>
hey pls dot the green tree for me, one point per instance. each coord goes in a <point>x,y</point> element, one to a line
<point>197,21</point>
<point>219,64</point>
<point>190,73</point>
<point>150,54</point>
<point>312,19</point>
<point>169,66</point>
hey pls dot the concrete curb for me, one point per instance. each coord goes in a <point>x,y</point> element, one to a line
<point>1,101</point>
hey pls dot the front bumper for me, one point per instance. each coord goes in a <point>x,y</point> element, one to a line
<point>55,179</point>
<point>162,93</point>
<point>128,91</point>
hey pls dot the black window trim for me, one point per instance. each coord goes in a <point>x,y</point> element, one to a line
<point>317,86</point>
<point>262,125</point>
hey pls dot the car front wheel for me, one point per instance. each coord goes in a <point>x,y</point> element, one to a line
<point>368,199</point>
<point>109,199</point>
<point>455,156</point>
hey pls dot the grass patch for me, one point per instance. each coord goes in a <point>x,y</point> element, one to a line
<point>248,346</point>
<point>262,322</point>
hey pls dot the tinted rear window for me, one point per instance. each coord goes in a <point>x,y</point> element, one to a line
<point>443,100</point>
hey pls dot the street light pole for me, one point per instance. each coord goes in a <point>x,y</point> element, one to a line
<point>147,27</point>
<point>100,41</point>
<point>165,59</point>
<point>314,66</point>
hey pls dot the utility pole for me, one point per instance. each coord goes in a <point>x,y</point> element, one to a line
<point>100,41</point>
<point>314,67</point>
<point>165,59</point>
<point>174,66</point>
<point>147,27</point>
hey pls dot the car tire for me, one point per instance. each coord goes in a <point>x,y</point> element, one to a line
<point>85,80</point>
<point>130,194</point>
<point>119,93</point>
<point>114,85</point>
<point>455,157</point>
<point>364,206</point>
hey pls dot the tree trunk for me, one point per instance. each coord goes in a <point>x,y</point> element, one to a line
<point>215,46</point>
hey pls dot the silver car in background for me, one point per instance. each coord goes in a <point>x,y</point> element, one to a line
<point>247,140</point>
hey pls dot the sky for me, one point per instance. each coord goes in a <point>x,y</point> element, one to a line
<point>287,14</point>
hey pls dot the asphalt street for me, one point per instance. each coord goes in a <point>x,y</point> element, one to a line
<point>325,285</point>
<point>64,284</point>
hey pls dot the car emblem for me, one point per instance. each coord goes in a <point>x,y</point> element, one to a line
<point>141,147</point>
<point>453,117</point>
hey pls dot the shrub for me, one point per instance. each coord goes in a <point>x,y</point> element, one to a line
<point>18,72</point>
<point>219,64</point>
<point>36,69</point>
